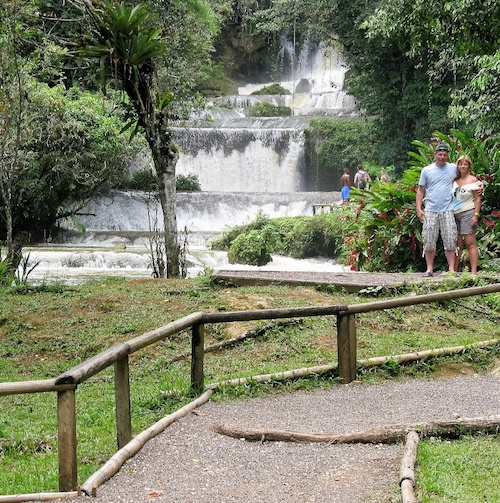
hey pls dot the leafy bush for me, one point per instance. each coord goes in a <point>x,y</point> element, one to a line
<point>268,110</point>
<point>298,237</point>
<point>272,89</point>
<point>384,234</point>
<point>141,179</point>
<point>189,183</point>
<point>253,248</point>
<point>145,179</point>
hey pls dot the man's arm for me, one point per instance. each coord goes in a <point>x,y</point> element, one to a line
<point>418,202</point>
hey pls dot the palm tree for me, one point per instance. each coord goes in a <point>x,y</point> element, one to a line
<point>129,47</point>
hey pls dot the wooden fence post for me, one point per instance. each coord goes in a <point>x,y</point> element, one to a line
<point>346,347</point>
<point>122,403</point>
<point>66,421</point>
<point>197,357</point>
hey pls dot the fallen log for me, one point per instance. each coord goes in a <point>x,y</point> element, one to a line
<point>384,434</point>
<point>407,471</point>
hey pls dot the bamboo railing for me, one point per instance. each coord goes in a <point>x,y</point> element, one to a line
<point>66,384</point>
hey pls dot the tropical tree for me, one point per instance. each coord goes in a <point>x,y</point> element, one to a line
<point>58,146</point>
<point>130,43</point>
<point>456,44</point>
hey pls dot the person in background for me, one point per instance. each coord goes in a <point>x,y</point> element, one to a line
<point>467,208</point>
<point>384,177</point>
<point>361,178</point>
<point>345,183</point>
<point>435,184</point>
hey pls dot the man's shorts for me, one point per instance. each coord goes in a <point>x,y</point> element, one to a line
<point>464,222</point>
<point>436,223</point>
<point>344,192</point>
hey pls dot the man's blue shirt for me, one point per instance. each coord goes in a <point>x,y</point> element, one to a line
<point>438,183</point>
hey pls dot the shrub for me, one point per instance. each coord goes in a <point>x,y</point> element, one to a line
<point>142,179</point>
<point>268,110</point>
<point>253,248</point>
<point>145,179</point>
<point>272,89</point>
<point>298,237</point>
<point>189,183</point>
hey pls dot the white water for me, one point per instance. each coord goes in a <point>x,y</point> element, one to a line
<point>116,239</point>
<point>245,166</point>
<point>230,152</point>
<point>75,265</point>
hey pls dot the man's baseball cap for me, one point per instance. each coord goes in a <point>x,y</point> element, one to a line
<point>442,147</point>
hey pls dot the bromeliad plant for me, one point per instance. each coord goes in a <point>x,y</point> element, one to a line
<point>385,234</point>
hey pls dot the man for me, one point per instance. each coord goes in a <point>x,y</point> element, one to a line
<point>361,178</point>
<point>345,183</point>
<point>435,183</point>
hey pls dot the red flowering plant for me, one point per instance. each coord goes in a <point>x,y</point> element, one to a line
<point>385,235</point>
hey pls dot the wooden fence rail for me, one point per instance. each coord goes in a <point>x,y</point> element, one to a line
<point>118,356</point>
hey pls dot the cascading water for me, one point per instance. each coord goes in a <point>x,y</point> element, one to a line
<point>244,165</point>
<point>230,152</point>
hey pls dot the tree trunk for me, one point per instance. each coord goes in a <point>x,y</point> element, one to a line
<point>165,162</point>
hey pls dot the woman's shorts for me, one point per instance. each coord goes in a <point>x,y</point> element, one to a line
<point>464,222</point>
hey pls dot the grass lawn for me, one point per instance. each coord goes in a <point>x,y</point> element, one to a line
<point>47,330</point>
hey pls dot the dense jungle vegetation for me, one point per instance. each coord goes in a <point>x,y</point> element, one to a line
<point>73,112</point>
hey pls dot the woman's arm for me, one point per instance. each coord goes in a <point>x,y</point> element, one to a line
<point>477,207</point>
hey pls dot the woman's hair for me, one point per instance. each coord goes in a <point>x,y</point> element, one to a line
<point>463,158</point>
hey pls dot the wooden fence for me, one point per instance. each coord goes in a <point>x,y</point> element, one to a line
<point>66,384</point>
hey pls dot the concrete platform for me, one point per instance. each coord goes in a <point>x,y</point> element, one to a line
<point>350,281</point>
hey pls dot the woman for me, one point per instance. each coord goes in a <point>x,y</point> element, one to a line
<point>467,209</point>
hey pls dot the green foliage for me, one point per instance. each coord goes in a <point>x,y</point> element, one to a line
<point>145,179</point>
<point>475,103</point>
<point>252,248</point>
<point>141,179</point>
<point>384,234</point>
<point>7,276</point>
<point>188,183</point>
<point>317,236</point>
<point>298,237</point>
<point>264,109</point>
<point>126,37</point>
<point>70,147</point>
<point>340,143</point>
<point>272,89</point>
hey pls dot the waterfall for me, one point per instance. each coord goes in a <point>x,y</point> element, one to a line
<point>245,165</point>
<point>230,152</point>
<point>121,217</point>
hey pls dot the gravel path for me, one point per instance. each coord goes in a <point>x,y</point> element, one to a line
<point>189,462</point>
